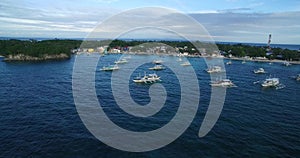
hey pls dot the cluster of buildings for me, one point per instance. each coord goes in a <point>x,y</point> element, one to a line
<point>149,49</point>
<point>90,50</point>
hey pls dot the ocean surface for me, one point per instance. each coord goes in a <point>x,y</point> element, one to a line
<point>38,116</point>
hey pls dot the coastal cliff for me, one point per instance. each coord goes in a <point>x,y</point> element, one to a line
<point>22,57</point>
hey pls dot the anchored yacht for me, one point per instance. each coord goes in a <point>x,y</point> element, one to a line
<point>214,69</point>
<point>259,71</point>
<point>270,82</point>
<point>151,78</point>
<point>110,68</point>
<point>222,83</point>
<point>157,67</point>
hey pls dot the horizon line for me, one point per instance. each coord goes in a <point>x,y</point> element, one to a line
<point>157,39</point>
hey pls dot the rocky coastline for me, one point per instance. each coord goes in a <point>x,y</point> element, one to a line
<point>22,57</point>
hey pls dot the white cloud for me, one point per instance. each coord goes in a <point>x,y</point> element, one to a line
<point>205,12</point>
<point>249,32</point>
<point>235,10</point>
<point>230,24</point>
<point>257,4</point>
<point>87,22</point>
<point>252,27</point>
<point>22,21</point>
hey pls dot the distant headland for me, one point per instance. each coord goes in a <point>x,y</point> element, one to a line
<point>33,50</point>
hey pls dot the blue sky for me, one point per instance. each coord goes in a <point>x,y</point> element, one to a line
<point>225,20</point>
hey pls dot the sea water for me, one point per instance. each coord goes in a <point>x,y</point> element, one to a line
<point>38,117</point>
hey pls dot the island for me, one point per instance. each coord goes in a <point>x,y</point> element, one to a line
<point>59,49</point>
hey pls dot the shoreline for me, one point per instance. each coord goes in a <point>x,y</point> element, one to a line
<point>232,58</point>
<point>264,60</point>
<point>26,58</point>
<point>62,56</point>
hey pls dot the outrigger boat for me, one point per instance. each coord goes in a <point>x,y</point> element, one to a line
<point>157,67</point>
<point>259,71</point>
<point>186,64</point>
<point>222,83</point>
<point>110,68</point>
<point>214,69</point>
<point>270,82</point>
<point>151,78</point>
<point>122,61</point>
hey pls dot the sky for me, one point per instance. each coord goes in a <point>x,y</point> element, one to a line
<point>248,21</point>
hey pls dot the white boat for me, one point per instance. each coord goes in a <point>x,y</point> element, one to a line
<point>186,64</point>
<point>298,77</point>
<point>256,82</point>
<point>222,83</point>
<point>286,63</point>
<point>158,61</point>
<point>259,71</point>
<point>179,59</point>
<point>110,68</point>
<point>214,69</point>
<point>122,61</point>
<point>270,82</point>
<point>157,67</point>
<point>244,62</point>
<point>151,78</point>
<point>229,63</point>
